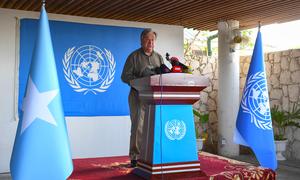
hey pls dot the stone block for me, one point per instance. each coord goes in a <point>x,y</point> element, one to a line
<point>268,69</point>
<point>242,82</point>
<point>209,88</point>
<point>207,69</point>
<point>271,56</point>
<point>285,103</point>
<point>214,66</point>
<point>212,106</point>
<point>205,60</point>
<point>213,95</point>
<point>285,64</point>
<point>213,117</point>
<point>293,91</point>
<point>241,94</point>
<point>203,97</point>
<point>195,64</point>
<point>276,68</point>
<point>296,148</point>
<point>274,81</point>
<point>286,53</point>
<point>216,73</point>
<point>241,67</point>
<point>197,72</point>
<point>295,76</point>
<point>285,77</point>
<point>215,85</point>
<point>196,105</point>
<point>294,65</point>
<point>265,57</point>
<point>203,107</point>
<point>285,90</point>
<point>276,94</point>
<point>277,57</point>
<point>245,68</point>
<point>274,102</point>
<point>270,87</point>
<point>243,59</point>
<point>297,134</point>
<point>295,53</point>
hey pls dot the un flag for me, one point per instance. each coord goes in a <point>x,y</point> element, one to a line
<point>254,125</point>
<point>89,61</point>
<point>41,149</point>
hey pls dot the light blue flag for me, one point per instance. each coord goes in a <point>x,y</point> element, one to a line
<point>254,125</point>
<point>41,149</point>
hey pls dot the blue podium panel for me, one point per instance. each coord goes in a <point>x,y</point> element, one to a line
<point>174,134</point>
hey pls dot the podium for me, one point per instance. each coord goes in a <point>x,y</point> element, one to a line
<point>169,140</point>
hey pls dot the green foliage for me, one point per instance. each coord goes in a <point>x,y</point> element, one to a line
<point>201,120</point>
<point>197,40</point>
<point>247,39</point>
<point>283,119</point>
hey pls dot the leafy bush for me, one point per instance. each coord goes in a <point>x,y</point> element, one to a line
<point>283,119</point>
<point>201,121</point>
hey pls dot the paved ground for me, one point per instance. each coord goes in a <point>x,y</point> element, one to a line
<point>287,170</point>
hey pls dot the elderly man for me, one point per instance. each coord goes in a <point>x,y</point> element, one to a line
<point>140,63</point>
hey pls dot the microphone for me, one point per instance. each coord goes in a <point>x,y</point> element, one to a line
<point>175,62</point>
<point>148,72</point>
<point>162,69</point>
<point>167,56</point>
<point>177,66</point>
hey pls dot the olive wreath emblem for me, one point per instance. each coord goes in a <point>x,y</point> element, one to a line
<point>76,86</point>
<point>175,129</point>
<point>262,124</point>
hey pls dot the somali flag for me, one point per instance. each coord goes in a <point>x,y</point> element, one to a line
<point>254,124</point>
<point>41,149</point>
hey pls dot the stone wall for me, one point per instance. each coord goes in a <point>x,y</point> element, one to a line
<point>283,76</point>
<point>207,66</point>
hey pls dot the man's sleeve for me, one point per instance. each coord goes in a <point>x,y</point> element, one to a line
<point>127,74</point>
<point>161,59</point>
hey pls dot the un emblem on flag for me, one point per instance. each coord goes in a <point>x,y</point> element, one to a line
<point>255,101</point>
<point>89,69</point>
<point>175,129</point>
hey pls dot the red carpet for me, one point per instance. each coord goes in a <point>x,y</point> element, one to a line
<point>213,167</point>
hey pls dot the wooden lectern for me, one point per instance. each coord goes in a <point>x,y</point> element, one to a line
<point>169,141</point>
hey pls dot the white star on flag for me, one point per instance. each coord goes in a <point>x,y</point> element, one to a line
<point>35,106</point>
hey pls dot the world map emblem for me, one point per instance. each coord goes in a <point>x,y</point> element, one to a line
<point>255,101</point>
<point>175,129</point>
<point>89,69</point>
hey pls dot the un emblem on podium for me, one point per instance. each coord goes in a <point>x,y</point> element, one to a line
<point>89,69</point>
<point>175,129</point>
<point>255,101</point>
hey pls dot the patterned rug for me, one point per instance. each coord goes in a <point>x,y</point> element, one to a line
<point>213,167</point>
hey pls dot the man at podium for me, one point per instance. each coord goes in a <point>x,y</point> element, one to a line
<point>140,63</point>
